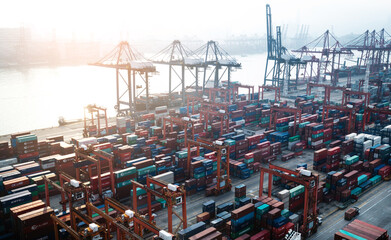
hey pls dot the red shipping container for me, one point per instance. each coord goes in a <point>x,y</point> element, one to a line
<point>385,171</point>
<point>263,235</point>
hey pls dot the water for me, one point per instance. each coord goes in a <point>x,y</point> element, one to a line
<point>35,98</point>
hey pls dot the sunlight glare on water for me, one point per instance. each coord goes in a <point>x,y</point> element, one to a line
<point>35,98</point>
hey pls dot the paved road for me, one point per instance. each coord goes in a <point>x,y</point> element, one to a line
<point>375,208</point>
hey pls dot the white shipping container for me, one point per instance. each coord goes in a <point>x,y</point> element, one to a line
<point>8,162</point>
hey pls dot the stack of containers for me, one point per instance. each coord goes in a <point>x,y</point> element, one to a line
<point>105,183</point>
<point>265,118</point>
<point>275,149</point>
<point>209,207</point>
<point>327,136</point>
<point>361,230</point>
<point>240,193</point>
<point>284,196</point>
<point>296,200</point>
<point>333,158</point>
<point>27,148</point>
<point>253,141</point>
<point>320,159</point>
<point>4,150</point>
<point>316,140</point>
<point>242,220</point>
<point>359,121</point>
<point>241,146</point>
<point>32,222</point>
<point>145,168</point>
<point>249,161</point>
<point>282,125</point>
<point>282,137</point>
<point>292,142</point>
<point>44,148</point>
<point>197,171</point>
<point>185,234</point>
<point>191,186</point>
<point>181,159</point>
<point>65,164</point>
<point>232,149</point>
<point>264,149</point>
<point>249,113</point>
<point>123,154</point>
<point>38,180</point>
<point>123,181</point>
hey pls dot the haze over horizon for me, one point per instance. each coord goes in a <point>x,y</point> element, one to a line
<point>202,20</point>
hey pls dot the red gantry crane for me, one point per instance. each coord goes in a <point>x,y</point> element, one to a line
<point>222,114</point>
<point>185,122</point>
<point>273,113</point>
<point>309,180</point>
<point>84,159</point>
<point>348,110</point>
<point>348,93</point>
<point>277,92</point>
<point>327,90</point>
<point>92,109</point>
<point>172,194</point>
<point>369,110</point>
<point>236,87</point>
<point>223,180</point>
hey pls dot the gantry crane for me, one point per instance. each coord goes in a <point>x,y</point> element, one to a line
<point>126,221</point>
<point>172,194</point>
<point>92,109</point>
<point>223,182</point>
<point>327,90</point>
<point>350,110</point>
<point>369,110</point>
<point>92,231</point>
<point>236,88</point>
<point>329,51</point>
<point>185,122</point>
<point>213,92</point>
<point>310,181</point>
<point>69,187</point>
<point>277,92</point>
<point>207,115</point>
<point>128,64</point>
<point>88,158</point>
<point>180,60</point>
<point>275,110</point>
<point>347,93</point>
<point>216,59</point>
<point>205,104</point>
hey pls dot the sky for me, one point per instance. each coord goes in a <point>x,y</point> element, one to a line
<point>202,19</point>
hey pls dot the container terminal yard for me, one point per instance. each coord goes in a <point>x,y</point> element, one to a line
<point>303,155</point>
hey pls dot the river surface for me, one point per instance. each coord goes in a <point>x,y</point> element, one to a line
<point>34,98</point>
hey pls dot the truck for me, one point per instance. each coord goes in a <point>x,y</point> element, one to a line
<point>351,213</point>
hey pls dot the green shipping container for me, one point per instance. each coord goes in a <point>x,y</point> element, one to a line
<point>146,170</point>
<point>244,231</point>
<point>296,191</point>
<point>124,183</point>
<point>352,235</point>
<point>199,175</point>
<point>182,154</point>
<point>285,213</point>
<point>361,179</point>
<point>125,172</point>
<point>351,160</point>
<point>375,179</point>
<point>356,191</point>
<point>294,138</point>
<point>264,208</point>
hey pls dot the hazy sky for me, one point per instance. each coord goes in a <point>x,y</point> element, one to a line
<point>204,19</point>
